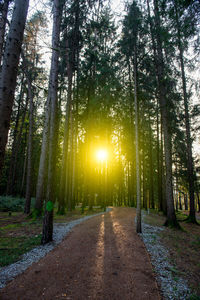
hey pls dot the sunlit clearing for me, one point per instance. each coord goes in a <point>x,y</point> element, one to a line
<point>102,155</point>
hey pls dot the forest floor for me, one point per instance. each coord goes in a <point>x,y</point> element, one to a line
<point>183,246</point>
<point>19,233</point>
<point>102,258</point>
<point>104,248</point>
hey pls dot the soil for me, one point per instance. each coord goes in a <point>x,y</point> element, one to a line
<point>102,258</point>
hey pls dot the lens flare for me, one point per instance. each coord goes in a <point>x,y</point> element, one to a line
<point>102,155</point>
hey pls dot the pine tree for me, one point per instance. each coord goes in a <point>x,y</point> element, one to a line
<point>9,70</point>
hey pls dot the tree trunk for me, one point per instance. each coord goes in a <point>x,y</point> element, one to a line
<point>198,201</point>
<point>24,175</point>
<point>47,234</point>
<point>138,226</point>
<point>151,186</point>
<point>159,164</point>
<point>159,66</point>
<point>190,164</point>
<point>15,133</point>
<point>186,201</point>
<point>43,161</point>
<point>64,177</point>
<point>8,75</point>
<point>15,153</point>
<point>3,21</point>
<point>30,140</point>
<point>180,203</point>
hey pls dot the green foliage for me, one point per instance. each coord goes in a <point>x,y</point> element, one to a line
<point>11,249</point>
<point>12,204</point>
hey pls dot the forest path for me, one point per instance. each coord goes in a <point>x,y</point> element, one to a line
<point>102,258</point>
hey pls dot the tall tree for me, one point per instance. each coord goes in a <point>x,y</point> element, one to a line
<point>190,163</point>
<point>47,234</point>
<point>9,70</point>
<point>164,107</point>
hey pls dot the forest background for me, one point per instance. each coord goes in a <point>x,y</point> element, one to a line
<point>128,88</point>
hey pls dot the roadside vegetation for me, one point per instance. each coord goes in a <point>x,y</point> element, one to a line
<point>20,233</point>
<point>183,246</point>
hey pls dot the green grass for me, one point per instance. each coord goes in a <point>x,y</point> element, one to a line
<point>18,238</point>
<point>11,226</point>
<point>11,249</point>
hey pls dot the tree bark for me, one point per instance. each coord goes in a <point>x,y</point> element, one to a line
<point>160,72</point>
<point>159,165</point>
<point>138,225</point>
<point>190,163</point>
<point>15,152</point>
<point>47,234</point>
<point>15,133</point>
<point>30,141</point>
<point>198,201</point>
<point>3,21</point>
<point>63,180</point>
<point>151,187</point>
<point>9,70</point>
<point>43,162</point>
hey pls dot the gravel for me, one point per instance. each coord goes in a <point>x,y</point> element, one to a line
<point>172,285</point>
<point>60,230</point>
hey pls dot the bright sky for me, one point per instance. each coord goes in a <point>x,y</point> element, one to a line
<point>117,6</point>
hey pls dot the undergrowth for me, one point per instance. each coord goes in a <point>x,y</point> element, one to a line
<point>11,249</point>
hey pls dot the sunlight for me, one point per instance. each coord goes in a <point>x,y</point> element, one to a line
<point>102,155</point>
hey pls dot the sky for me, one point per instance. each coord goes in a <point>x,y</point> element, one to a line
<point>117,7</point>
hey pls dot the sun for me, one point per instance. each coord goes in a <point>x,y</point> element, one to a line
<point>102,155</point>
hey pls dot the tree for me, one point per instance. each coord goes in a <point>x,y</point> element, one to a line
<point>30,140</point>
<point>47,233</point>
<point>3,20</point>
<point>160,72</point>
<point>190,164</point>
<point>9,70</point>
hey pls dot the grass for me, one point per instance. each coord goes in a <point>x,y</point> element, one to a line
<point>184,248</point>
<point>11,249</point>
<point>10,226</point>
<point>19,233</point>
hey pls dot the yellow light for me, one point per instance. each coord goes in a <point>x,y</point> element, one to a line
<point>102,155</point>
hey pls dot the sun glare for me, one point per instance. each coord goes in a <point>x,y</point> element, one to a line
<point>102,155</point>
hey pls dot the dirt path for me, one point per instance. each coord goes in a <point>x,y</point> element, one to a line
<point>102,258</point>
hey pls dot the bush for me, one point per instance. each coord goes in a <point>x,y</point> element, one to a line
<point>11,204</point>
<point>8,203</point>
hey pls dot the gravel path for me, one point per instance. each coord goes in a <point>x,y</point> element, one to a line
<point>172,286</point>
<point>102,258</point>
<point>60,231</point>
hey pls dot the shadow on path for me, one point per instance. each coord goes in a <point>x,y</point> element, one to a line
<point>102,258</point>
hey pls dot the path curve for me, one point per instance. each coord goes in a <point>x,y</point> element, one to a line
<point>102,258</point>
